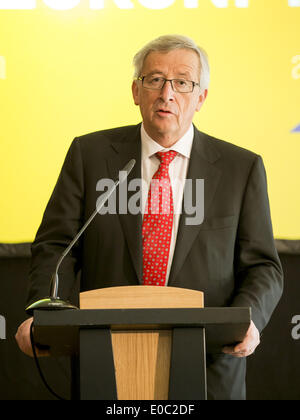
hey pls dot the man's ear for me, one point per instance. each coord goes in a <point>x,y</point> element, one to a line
<point>201,100</point>
<point>135,92</point>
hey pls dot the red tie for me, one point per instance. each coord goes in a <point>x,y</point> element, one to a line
<point>158,223</point>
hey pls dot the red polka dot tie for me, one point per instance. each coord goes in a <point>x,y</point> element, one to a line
<point>158,223</point>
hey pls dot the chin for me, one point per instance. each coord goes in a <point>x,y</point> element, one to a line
<point>165,128</point>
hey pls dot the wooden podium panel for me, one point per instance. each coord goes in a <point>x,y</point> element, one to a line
<point>141,297</point>
<point>141,358</point>
<point>142,364</point>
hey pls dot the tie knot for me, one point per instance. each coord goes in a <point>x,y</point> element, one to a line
<point>166,157</point>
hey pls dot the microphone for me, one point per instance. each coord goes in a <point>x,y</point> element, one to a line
<point>53,302</point>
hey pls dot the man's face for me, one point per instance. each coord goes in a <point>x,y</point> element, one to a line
<point>167,115</point>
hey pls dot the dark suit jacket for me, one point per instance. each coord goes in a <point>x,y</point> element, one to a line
<point>231,256</point>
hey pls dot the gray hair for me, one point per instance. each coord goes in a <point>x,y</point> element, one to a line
<point>168,43</point>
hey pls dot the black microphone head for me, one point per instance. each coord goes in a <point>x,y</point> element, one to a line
<point>129,166</point>
<point>126,170</point>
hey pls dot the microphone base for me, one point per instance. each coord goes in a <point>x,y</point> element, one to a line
<point>49,304</point>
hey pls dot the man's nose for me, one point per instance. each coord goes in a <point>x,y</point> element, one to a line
<point>167,92</point>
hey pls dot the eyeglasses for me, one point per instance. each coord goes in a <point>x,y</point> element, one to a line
<point>157,83</point>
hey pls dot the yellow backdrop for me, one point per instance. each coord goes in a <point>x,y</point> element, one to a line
<point>68,72</point>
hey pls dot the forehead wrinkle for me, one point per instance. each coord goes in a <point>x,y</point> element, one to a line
<point>155,72</point>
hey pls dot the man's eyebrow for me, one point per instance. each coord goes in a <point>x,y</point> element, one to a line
<point>155,72</point>
<point>185,74</point>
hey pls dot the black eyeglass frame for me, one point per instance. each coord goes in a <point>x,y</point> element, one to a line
<point>142,78</point>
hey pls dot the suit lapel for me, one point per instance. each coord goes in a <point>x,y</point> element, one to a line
<point>125,149</point>
<point>201,166</point>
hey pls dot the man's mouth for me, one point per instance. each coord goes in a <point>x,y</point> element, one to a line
<point>164,112</point>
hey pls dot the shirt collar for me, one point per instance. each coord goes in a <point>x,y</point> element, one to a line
<point>182,146</point>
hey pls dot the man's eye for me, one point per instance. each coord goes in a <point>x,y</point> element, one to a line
<point>155,80</point>
<point>181,82</point>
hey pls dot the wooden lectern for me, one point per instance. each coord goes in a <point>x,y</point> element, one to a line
<point>140,342</point>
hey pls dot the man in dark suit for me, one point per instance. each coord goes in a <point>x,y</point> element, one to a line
<point>231,256</point>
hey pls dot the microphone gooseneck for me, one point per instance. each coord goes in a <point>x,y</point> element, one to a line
<point>53,302</point>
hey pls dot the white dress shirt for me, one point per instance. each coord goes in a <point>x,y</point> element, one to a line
<point>177,172</point>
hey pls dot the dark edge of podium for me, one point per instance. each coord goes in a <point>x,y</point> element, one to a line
<point>85,334</point>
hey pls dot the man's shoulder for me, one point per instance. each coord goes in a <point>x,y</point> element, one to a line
<point>226,149</point>
<point>117,134</point>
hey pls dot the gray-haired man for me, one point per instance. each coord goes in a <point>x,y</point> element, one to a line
<point>231,256</point>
